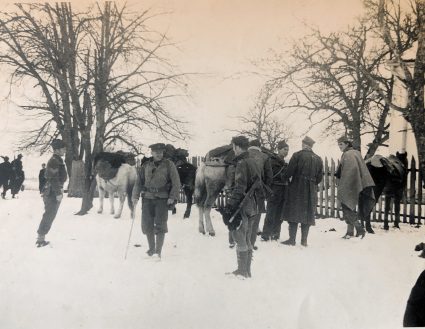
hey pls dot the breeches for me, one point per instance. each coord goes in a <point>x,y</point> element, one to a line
<point>154,216</point>
<point>51,207</point>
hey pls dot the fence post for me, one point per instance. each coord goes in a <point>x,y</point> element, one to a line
<point>332,183</point>
<point>419,195</point>
<point>326,185</point>
<point>412,191</point>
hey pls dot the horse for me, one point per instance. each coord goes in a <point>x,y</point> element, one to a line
<point>115,175</point>
<point>211,178</point>
<point>390,177</point>
<point>187,173</point>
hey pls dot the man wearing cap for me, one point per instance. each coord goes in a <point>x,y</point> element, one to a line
<point>56,176</point>
<point>159,184</point>
<point>305,171</point>
<point>355,187</point>
<point>5,174</point>
<point>240,181</point>
<point>262,162</point>
<point>273,220</point>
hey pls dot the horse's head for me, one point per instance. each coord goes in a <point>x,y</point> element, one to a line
<point>403,158</point>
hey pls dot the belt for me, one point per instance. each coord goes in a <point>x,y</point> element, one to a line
<point>156,189</point>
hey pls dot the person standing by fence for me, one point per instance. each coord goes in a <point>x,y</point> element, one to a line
<point>355,187</point>
<point>279,185</point>
<point>56,176</point>
<point>6,172</point>
<point>306,171</point>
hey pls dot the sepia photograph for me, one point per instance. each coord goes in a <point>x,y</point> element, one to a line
<point>212,164</point>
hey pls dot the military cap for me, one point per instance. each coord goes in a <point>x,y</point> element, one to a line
<point>308,141</point>
<point>20,155</point>
<point>57,144</point>
<point>157,147</point>
<point>255,142</point>
<point>281,145</point>
<point>344,139</point>
<point>240,141</point>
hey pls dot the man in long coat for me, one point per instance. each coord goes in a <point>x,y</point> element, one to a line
<point>355,187</point>
<point>305,169</point>
<point>5,174</point>
<point>262,162</point>
<point>273,220</point>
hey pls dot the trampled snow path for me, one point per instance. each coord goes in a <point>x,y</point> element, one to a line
<point>82,281</point>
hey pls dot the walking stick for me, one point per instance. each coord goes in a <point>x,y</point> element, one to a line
<point>129,235</point>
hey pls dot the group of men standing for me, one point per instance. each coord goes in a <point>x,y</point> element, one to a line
<point>12,175</point>
<point>291,193</point>
<point>290,189</point>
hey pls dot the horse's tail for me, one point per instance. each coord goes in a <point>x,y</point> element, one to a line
<point>200,186</point>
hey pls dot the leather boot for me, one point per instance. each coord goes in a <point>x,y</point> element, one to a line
<point>304,234</point>
<point>248,267</point>
<point>159,243</point>
<point>242,257</point>
<point>293,227</point>
<point>151,243</point>
<point>360,230</point>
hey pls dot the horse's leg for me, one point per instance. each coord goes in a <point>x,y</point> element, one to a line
<point>397,202</point>
<point>121,206</point>
<point>201,220</point>
<point>208,223</point>
<point>111,196</point>
<point>387,211</point>
<point>189,199</point>
<point>101,197</point>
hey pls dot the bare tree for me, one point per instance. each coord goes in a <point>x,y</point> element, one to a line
<point>100,72</point>
<point>400,26</point>
<point>324,75</point>
<point>263,121</point>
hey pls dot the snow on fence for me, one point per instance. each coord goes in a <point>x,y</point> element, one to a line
<point>411,210</point>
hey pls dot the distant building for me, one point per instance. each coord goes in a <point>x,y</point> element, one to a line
<point>401,134</point>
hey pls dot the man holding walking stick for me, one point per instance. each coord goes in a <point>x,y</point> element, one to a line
<point>159,184</point>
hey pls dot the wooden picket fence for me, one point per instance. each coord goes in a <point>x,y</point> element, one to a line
<point>411,210</point>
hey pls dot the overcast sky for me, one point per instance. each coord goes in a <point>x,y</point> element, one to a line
<point>219,39</point>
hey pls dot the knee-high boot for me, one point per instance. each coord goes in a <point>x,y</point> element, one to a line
<point>151,243</point>
<point>159,243</point>
<point>293,227</point>
<point>249,260</point>
<point>304,234</point>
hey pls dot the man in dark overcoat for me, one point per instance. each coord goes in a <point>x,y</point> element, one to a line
<point>5,174</point>
<point>305,171</point>
<point>274,214</point>
<point>56,176</point>
<point>159,184</point>
<point>355,187</point>
<point>18,176</point>
<point>262,162</point>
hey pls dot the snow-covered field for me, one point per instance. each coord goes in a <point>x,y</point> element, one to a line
<point>83,281</point>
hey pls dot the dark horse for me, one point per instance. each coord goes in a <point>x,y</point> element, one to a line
<point>390,177</point>
<point>187,174</point>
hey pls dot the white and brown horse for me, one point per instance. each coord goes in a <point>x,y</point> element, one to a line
<point>115,176</point>
<point>210,180</point>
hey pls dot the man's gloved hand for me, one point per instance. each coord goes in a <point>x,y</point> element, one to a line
<point>170,202</point>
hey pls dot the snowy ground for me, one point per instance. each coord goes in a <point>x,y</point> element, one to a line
<point>83,281</point>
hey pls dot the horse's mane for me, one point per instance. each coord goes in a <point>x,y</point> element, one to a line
<point>114,159</point>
